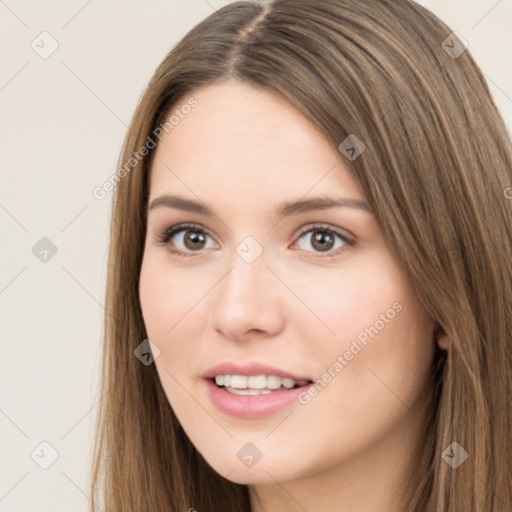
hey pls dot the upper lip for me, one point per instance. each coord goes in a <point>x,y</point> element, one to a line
<point>249,369</point>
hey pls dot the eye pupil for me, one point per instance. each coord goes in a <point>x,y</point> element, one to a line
<point>324,239</point>
<point>195,238</point>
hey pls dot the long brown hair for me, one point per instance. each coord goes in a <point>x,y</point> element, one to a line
<point>436,171</point>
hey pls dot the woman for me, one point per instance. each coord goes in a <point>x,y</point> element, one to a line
<point>309,275</point>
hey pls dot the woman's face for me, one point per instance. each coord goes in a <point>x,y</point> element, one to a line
<point>274,280</point>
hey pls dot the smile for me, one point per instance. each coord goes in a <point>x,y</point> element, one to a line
<point>256,384</point>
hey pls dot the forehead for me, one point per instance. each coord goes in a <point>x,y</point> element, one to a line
<point>249,138</point>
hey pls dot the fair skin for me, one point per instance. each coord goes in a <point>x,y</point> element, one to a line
<point>242,151</point>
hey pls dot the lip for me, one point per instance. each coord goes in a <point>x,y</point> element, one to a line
<point>251,406</point>
<point>249,369</point>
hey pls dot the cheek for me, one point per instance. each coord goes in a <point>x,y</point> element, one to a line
<point>380,349</point>
<point>165,297</point>
<point>173,310</point>
<point>363,296</point>
<point>166,301</point>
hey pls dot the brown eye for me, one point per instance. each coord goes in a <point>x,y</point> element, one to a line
<point>194,240</point>
<point>185,239</point>
<point>321,239</point>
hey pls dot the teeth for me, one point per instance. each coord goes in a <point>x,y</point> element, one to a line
<point>261,384</point>
<point>288,383</point>
<point>273,382</point>
<point>248,391</point>
<point>238,381</point>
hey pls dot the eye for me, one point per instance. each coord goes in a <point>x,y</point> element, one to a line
<point>188,238</point>
<point>323,239</point>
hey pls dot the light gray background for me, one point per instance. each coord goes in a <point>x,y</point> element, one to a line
<point>62,122</point>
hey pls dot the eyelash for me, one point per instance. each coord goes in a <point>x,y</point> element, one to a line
<point>165,237</point>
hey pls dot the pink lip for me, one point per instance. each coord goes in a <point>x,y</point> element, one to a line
<point>249,369</point>
<point>251,406</point>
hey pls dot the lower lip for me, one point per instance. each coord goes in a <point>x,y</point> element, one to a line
<point>252,406</point>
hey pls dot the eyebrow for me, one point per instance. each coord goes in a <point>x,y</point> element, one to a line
<point>285,209</point>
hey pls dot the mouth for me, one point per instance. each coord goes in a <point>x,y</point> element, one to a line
<point>253,385</point>
<point>254,389</point>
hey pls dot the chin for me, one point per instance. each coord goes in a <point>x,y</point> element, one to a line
<point>251,477</point>
<point>260,473</point>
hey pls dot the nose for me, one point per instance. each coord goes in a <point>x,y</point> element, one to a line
<point>248,300</point>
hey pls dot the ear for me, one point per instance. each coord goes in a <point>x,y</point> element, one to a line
<point>442,342</point>
<point>441,338</point>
